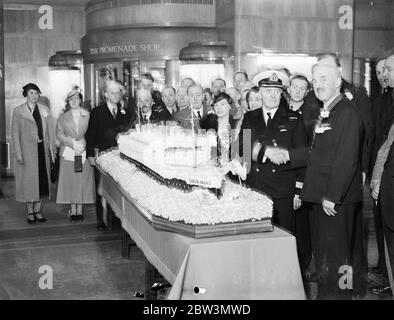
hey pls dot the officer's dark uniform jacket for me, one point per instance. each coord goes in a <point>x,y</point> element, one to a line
<point>285,130</point>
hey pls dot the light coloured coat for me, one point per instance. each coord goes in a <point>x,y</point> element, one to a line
<point>74,187</point>
<point>24,137</point>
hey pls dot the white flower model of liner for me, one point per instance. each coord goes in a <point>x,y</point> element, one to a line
<point>198,207</point>
<point>174,153</point>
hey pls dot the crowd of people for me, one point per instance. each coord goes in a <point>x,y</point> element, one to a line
<point>310,146</point>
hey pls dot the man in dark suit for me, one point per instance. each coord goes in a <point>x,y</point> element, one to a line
<point>192,116</point>
<point>168,95</point>
<point>148,111</point>
<point>360,101</point>
<point>383,113</point>
<point>382,185</point>
<point>333,183</point>
<point>105,123</point>
<point>384,118</point>
<point>298,89</point>
<point>271,126</point>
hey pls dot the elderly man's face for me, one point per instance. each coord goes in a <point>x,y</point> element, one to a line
<point>168,97</point>
<point>182,98</point>
<point>217,87</point>
<point>326,83</point>
<point>389,71</point>
<point>380,73</point>
<point>239,81</point>
<point>270,97</point>
<point>112,93</point>
<point>196,97</point>
<point>145,103</point>
<point>298,90</point>
<point>146,84</point>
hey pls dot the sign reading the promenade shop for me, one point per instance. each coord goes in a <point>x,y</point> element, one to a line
<point>140,43</point>
<point>143,47</point>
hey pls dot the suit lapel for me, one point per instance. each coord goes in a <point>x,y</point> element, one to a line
<point>279,118</point>
<point>335,102</point>
<point>44,114</point>
<point>257,123</point>
<point>27,114</point>
<point>83,124</point>
<point>70,122</point>
<point>108,112</point>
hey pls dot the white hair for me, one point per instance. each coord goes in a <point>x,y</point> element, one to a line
<point>141,93</point>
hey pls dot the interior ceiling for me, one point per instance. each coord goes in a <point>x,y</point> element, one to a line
<point>80,3</point>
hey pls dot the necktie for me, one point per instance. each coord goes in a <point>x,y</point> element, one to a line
<point>145,117</point>
<point>269,118</point>
<point>114,112</point>
<point>199,114</point>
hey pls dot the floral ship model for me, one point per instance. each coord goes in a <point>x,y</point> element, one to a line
<point>179,198</point>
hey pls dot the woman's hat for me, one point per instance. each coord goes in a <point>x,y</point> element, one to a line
<point>30,86</point>
<point>73,93</point>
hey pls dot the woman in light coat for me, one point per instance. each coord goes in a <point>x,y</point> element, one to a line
<point>33,145</point>
<point>74,188</point>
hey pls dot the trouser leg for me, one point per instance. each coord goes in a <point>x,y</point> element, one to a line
<point>379,237</point>
<point>333,247</point>
<point>359,258</point>
<point>303,236</point>
<point>99,205</point>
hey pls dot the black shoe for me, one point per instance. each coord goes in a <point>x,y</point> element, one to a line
<point>101,226</point>
<point>31,219</point>
<point>73,217</point>
<point>382,290</point>
<point>40,217</point>
<point>79,217</point>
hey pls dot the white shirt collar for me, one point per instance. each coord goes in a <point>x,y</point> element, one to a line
<point>326,104</point>
<point>148,115</point>
<point>173,109</point>
<point>201,111</point>
<point>272,112</point>
<point>295,106</point>
<point>111,107</point>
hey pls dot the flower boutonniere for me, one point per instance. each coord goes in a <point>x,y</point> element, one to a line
<point>122,111</point>
<point>324,114</point>
<point>349,95</point>
<point>322,127</point>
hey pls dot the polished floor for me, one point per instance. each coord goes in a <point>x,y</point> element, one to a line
<point>86,263</point>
